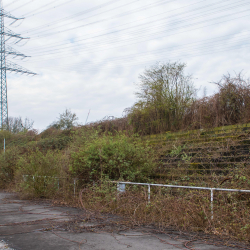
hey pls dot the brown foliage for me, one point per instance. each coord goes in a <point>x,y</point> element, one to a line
<point>112,125</point>
<point>231,105</point>
<point>182,209</point>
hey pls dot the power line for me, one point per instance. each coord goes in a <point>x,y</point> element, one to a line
<point>145,7</point>
<point>150,22</point>
<point>41,7</point>
<point>145,60</point>
<point>119,15</point>
<point>152,34</point>
<point>69,17</point>
<point>189,30</point>
<point>22,5</point>
<point>11,3</point>
<point>184,48</point>
<point>80,26</point>
<point>205,20</point>
<point>36,13</point>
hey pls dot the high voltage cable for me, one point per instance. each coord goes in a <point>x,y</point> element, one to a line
<point>128,39</point>
<point>124,64</point>
<point>94,45</point>
<point>176,49</point>
<point>78,40</point>
<point>222,38</point>
<point>41,7</point>
<point>69,17</point>
<point>36,13</point>
<point>64,55</point>
<point>182,48</point>
<point>179,47</point>
<point>11,3</point>
<point>116,16</point>
<point>69,29</point>
<point>189,30</point>
<point>123,25</point>
<point>167,57</point>
<point>116,31</point>
<point>22,5</point>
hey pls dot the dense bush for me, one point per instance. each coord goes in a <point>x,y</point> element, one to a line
<point>114,157</point>
<point>8,165</point>
<point>37,171</point>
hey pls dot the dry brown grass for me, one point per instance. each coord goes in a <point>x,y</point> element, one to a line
<point>183,210</point>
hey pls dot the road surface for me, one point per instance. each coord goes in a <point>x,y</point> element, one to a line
<point>31,225</point>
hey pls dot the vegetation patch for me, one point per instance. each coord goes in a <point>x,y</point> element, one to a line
<point>168,136</point>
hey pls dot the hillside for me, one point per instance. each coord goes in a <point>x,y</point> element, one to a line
<point>212,157</point>
<point>76,166</point>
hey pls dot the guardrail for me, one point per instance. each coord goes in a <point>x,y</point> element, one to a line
<point>121,188</point>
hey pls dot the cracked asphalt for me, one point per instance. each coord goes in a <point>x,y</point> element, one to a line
<point>31,225</point>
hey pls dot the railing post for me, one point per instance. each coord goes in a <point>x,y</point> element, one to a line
<point>149,193</point>
<point>212,203</point>
<point>74,187</point>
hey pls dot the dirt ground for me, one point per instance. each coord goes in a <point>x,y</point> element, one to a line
<point>33,225</point>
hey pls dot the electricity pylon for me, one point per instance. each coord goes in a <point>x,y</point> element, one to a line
<point>6,65</point>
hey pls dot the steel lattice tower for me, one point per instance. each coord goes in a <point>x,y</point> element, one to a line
<point>4,101</point>
<point>6,65</point>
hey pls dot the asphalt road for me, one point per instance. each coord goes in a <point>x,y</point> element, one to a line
<point>30,225</point>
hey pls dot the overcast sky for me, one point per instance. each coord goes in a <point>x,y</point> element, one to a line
<point>88,54</point>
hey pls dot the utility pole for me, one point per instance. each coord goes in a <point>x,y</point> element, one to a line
<point>7,65</point>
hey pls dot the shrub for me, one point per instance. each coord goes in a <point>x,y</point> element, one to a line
<point>115,157</point>
<point>8,161</point>
<point>37,171</point>
<point>165,93</point>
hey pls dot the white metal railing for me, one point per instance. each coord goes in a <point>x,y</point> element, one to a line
<point>121,188</point>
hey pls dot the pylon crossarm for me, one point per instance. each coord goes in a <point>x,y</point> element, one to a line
<point>8,15</point>
<point>10,51</point>
<point>11,34</point>
<point>13,67</point>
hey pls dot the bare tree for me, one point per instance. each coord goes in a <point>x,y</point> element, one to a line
<point>233,98</point>
<point>17,125</point>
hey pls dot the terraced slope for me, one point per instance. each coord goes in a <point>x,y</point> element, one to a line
<point>215,157</point>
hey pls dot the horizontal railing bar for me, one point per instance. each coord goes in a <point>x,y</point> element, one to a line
<point>184,187</point>
<point>167,156</point>
<point>201,163</point>
<point>192,169</point>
